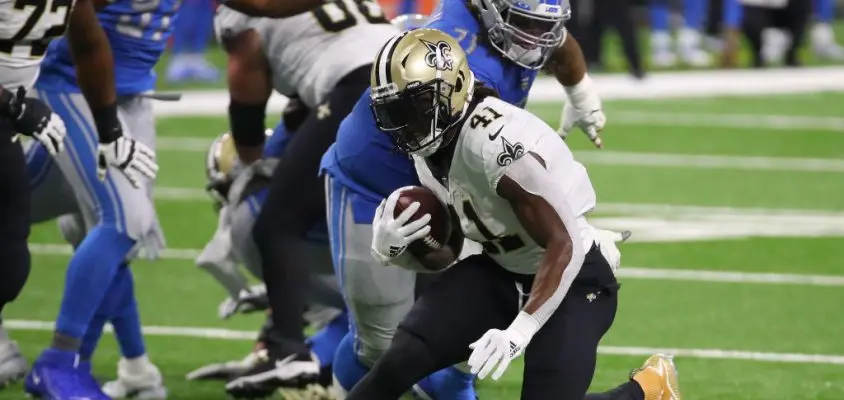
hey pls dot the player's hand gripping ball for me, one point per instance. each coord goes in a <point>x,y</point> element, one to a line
<point>440,218</point>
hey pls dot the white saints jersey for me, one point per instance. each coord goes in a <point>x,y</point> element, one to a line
<point>309,53</point>
<point>26,28</point>
<point>494,135</point>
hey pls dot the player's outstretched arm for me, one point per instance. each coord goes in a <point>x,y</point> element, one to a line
<point>250,87</point>
<point>583,110</point>
<point>539,203</point>
<point>94,68</point>
<point>273,8</point>
<point>95,74</point>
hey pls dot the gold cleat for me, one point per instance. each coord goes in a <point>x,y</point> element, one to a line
<point>658,378</point>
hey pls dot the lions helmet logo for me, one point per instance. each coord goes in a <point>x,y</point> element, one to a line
<point>439,55</point>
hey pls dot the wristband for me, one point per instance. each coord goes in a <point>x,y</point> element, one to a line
<point>107,124</point>
<point>525,324</point>
<point>582,92</point>
<point>247,123</point>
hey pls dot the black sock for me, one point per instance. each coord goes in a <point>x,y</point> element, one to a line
<point>66,343</point>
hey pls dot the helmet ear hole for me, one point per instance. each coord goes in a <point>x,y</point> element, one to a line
<point>458,84</point>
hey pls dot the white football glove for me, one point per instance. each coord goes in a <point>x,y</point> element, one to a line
<point>32,117</point>
<point>391,236</point>
<point>583,110</point>
<point>134,159</point>
<point>52,136</point>
<point>607,240</point>
<point>496,348</point>
<point>590,121</point>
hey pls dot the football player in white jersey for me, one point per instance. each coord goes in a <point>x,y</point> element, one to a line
<point>25,32</point>
<point>544,283</point>
<point>324,56</point>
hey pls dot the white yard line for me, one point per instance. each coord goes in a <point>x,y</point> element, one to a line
<point>729,276</point>
<point>618,158</point>
<point>674,209</point>
<point>229,334</point>
<point>644,273</point>
<point>623,158</point>
<point>794,123</point>
<point>610,87</point>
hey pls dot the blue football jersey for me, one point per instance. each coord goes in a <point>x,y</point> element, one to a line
<point>137,31</point>
<point>365,160</point>
<point>275,144</point>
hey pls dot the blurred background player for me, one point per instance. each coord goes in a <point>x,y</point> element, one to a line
<point>689,37</point>
<point>117,209</point>
<point>506,46</point>
<point>307,55</point>
<point>589,23</point>
<point>777,38</point>
<point>240,193</point>
<point>767,45</point>
<point>822,35</point>
<point>191,37</point>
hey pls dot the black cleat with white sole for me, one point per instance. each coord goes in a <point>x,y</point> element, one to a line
<point>293,373</point>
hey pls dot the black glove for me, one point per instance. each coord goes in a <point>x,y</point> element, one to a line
<point>32,117</point>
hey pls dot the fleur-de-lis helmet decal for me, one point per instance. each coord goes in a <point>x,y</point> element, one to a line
<point>439,55</point>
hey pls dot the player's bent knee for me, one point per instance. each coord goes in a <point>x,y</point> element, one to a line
<point>406,362</point>
<point>72,228</point>
<point>371,350</point>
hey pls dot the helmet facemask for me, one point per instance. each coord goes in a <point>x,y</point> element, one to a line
<point>525,35</point>
<point>418,117</point>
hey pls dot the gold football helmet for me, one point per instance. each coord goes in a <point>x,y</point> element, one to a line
<point>219,162</point>
<point>421,87</point>
<point>220,158</point>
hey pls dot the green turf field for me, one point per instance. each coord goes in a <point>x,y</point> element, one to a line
<point>613,59</point>
<point>726,185</point>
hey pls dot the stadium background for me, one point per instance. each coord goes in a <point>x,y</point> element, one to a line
<point>732,182</point>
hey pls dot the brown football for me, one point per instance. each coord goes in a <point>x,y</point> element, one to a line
<point>440,218</point>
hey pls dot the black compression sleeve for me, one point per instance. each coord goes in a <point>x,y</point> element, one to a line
<point>246,122</point>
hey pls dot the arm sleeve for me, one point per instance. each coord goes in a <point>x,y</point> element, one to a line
<point>230,23</point>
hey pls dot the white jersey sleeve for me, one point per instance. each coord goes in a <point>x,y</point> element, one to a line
<point>500,135</point>
<point>229,23</point>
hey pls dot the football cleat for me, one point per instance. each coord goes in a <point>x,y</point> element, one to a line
<point>248,301</point>
<point>13,366</point>
<point>58,374</point>
<point>141,381</point>
<point>225,371</point>
<point>296,374</point>
<point>658,378</point>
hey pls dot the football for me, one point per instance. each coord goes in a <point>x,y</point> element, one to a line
<point>440,218</point>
